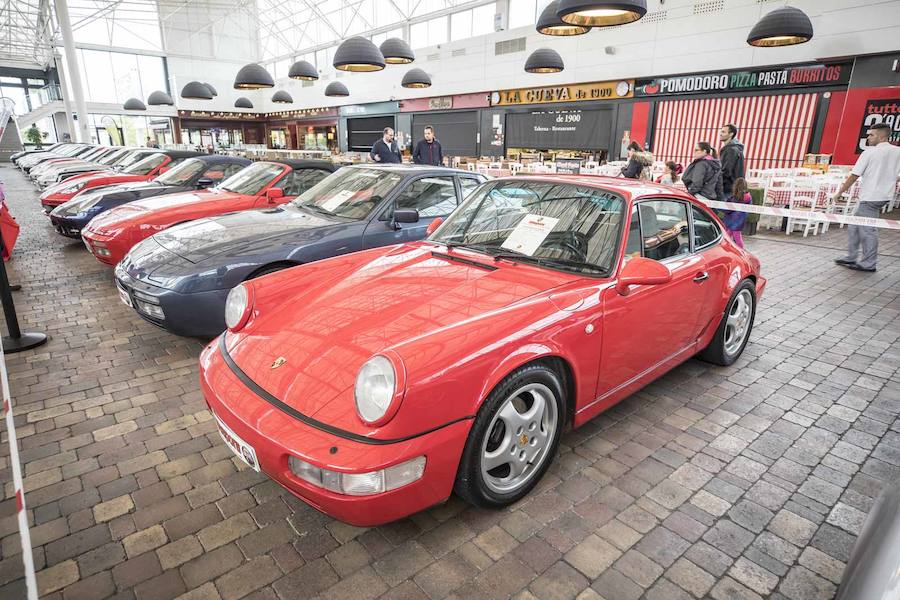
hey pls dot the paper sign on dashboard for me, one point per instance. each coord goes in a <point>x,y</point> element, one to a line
<point>530,233</point>
<point>337,200</point>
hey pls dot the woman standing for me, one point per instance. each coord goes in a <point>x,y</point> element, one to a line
<point>703,177</point>
<point>639,163</point>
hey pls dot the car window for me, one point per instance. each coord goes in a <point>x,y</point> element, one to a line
<point>633,244</point>
<point>468,185</point>
<point>431,196</point>
<point>706,231</point>
<point>664,228</point>
<point>252,179</point>
<point>297,182</point>
<point>218,172</point>
<point>183,173</point>
<point>147,164</point>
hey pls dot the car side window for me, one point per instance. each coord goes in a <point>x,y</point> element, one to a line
<point>297,182</point>
<point>468,184</point>
<point>664,228</point>
<point>431,196</point>
<point>706,231</point>
<point>633,244</point>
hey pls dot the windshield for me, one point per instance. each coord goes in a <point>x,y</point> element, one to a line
<point>350,192</point>
<point>181,174</point>
<point>89,156</point>
<point>564,226</point>
<point>113,157</point>
<point>145,165</point>
<point>132,157</point>
<point>253,179</point>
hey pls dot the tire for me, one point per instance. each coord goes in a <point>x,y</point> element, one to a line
<point>524,389</point>
<point>724,349</point>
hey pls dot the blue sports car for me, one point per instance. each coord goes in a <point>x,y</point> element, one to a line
<point>179,278</point>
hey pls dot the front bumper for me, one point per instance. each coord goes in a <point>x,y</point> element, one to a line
<point>107,249</point>
<point>275,436</point>
<point>70,226</point>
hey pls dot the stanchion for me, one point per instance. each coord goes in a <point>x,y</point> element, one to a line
<point>16,341</point>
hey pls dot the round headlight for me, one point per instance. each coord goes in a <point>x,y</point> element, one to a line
<point>237,307</point>
<point>375,389</point>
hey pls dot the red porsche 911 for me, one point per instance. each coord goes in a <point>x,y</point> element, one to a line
<point>374,384</point>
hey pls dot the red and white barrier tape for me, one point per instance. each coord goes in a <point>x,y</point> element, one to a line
<point>21,513</point>
<point>805,214</point>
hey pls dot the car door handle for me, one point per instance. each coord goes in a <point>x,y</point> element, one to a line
<point>701,277</point>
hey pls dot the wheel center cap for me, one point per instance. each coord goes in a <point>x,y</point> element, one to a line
<point>523,439</point>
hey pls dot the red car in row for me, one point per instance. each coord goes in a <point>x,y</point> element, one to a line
<point>259,185</point>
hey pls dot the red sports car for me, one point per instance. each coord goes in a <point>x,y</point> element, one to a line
<point>374,384</point>
<point>144,169</point>
<point>112,234</point>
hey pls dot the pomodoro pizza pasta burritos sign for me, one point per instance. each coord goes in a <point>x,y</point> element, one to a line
<point>749,80</point>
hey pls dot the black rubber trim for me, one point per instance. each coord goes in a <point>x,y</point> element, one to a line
<point>465,261</point>
<point>348,435</point>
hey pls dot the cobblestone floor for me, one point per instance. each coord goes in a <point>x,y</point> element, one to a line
<point>743,482</point>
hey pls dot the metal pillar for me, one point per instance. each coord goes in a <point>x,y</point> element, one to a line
<point>65,28</point>
<point>63,92</point>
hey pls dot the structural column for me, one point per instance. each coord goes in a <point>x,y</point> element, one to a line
<point>65,28</point>
<point>64,93</point>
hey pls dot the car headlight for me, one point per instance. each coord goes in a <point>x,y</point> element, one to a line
<point>376,390</point>
<point>237,307</point>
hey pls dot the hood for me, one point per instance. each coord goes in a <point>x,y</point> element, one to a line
<point>643,158</point>
<point>738,145</point>
<point>113,195</point>
<point>327,318</point>
<point>179,199</point>
<point>116,217</point>
<point>713,162</point>
<point>242,232</point>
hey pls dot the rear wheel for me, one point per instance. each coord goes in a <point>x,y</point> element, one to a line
<point>734,330</point>
<point>514,438</point>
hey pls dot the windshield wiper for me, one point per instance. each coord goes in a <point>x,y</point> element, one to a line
<point>564,263</point>
<point>317,208</point>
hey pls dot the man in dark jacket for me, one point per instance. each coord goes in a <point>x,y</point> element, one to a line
<point>731,156</point>
<point>386,151</point>
<point>428,151</point>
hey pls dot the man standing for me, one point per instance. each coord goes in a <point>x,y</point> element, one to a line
<point>731,156</point>
<point>386,150</point>
<point>878,166</point>
<point>428,151</point>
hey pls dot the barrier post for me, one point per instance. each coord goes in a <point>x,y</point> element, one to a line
<point>16,341</point>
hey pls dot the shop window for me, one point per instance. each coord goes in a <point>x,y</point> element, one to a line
<point>431,196</point>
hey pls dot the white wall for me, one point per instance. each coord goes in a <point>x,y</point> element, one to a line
<point>682,42</point>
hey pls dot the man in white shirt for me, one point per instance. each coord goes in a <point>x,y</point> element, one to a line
<point>878,166</point>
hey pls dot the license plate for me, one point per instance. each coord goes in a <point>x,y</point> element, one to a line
<point>125,297</point>
<point>242,449</point>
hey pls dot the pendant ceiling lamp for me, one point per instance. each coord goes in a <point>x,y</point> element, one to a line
<point>243,103</point>
<point>601,13</point>
<point>195,90</point>
<point>253,77</point>
<point>303,70</point>
<point>397,52</point>
<point>282,97</point>
<point>358,54</point>
<point>550,24</point>
<point>416,78</point>
<point>784,26</point>
<point>336,88</point>
<point>212,90</point>
<point>158,98</point>
<point>544,60</point>
<point>134,104</point>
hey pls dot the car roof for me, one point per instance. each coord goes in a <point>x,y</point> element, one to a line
<point>629,188</point>
<point>411,169</point>
<point>219,158</point>
<point>180,153</point>
<point>326,165</point>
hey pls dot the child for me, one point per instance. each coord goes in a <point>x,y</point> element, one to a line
<point>734,219</point>
<point>672,173</point>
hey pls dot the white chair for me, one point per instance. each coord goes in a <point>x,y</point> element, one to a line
<point>805,197</point>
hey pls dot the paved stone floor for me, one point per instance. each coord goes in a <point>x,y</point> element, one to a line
<point>743,482</point>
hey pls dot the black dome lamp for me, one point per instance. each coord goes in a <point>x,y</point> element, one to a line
<point>212,90</point>
<point>134,104</point>
<point>397,52</point>
<point>358,54</point>
<point>253,77</point>
<point>550,24</point>
<point>784,26</point>
<point>601,13</point>
<point>336,89</point>
<point>282,97</point>
<point>416,78</point>
<point>243,103</point>
<point>159,98</point>
<point>544,60</point>
<point>195,90</point>
<point>303,70</point>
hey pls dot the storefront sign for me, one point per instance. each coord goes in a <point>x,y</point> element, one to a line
<point>219,115</point>
<point>305,113</point>
<point>880,111</point>
<point>569,166</point>
<point>744,81</point>
<point>604,90</point>
<point>375,108</point>
<point>567,130</point>
<point>443,103</point>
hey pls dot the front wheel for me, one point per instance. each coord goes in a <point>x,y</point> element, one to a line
<point>514,438</point>
<point>734,330</point>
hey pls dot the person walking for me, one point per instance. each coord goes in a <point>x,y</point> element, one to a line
<point>878,167</point>
<point>734,219</point>
<point>386,150</point>
<point>731,155</point>
<point>639,163</point>
<point>703,177</point>
<point>428,151</point>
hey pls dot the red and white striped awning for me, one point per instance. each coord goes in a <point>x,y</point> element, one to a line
<point>775,130</point>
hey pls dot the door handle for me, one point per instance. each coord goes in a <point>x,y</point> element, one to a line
<point>701,277</point>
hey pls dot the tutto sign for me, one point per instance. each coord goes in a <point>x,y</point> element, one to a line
<point>567,130</point>
<point>880,111</point>
<point>743,81</point>
<point>604,90</point>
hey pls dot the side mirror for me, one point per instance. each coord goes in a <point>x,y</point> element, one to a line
<point>432,227</point>
<point>273,194</point>
<point>642,271</point>
<point>406,215</point>
<point>204,182</point>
